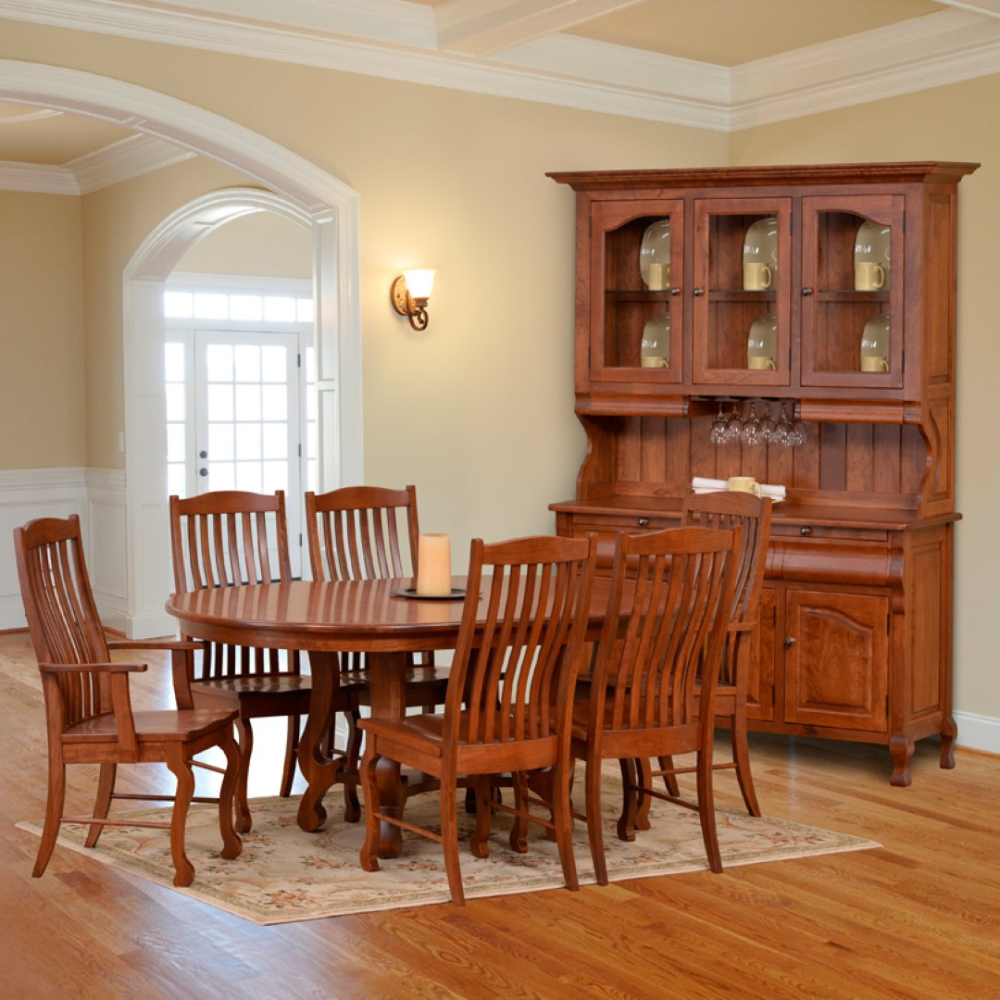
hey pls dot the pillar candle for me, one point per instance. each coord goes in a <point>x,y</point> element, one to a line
<point>433,566</point>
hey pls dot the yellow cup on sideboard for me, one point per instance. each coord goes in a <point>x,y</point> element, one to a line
<point>744,484</point>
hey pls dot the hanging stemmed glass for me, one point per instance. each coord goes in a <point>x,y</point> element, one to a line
<point>751,428</point>
<point>797,435</point>
<point>734,426</point>
<point>717,434</point>
<point>783,429</point>
<point>767,425</point>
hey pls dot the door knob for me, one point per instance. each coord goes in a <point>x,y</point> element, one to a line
<point>203,454</point>
<point>203,472</point>
<point>789,640</point>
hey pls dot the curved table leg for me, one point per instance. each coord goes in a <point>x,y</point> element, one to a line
<point>319,770</point>
<point>387,671</point>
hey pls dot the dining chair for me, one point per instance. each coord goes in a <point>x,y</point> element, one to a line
<point>369,533</point>
<point>88,710</point>
<point>643,700</point>
<point>509,701</point>
<point>222,539</point>
<point>728,509</point>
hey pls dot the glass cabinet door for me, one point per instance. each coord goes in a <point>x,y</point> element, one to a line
<point>852,291</point>
<point>741,293</point>
<point>636,304</point>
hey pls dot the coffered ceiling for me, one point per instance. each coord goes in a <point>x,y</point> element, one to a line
<point>714,64</point>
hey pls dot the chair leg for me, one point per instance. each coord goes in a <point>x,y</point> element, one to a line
<point>243,819</point>
<point>519,830</point>
<point>183,869</point>
<point>706,810</point>
<point>232,844</point>
<point>291,755</point>
<point>369,781</point>
<point>352,755</point>
<point>105,786</point>
<point>562,814</point>
<point>669,780</point>
<point>741,755</point>
<point>53,812</point>
<point>593,810</point>
<point>483,791</point>
<point>634,776</point>
<point>644,779</point>
<point>449,837</point>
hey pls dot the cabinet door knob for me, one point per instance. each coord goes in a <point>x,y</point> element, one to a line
<point>643,522</point>
<point>699,291</point>
<point>675,291</point>
<point>807,291</point>
<point>789,640</point>
<point>805,531</point>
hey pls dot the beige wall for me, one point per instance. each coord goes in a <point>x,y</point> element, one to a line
<point>42,396</point>
<point>477,410</point>
<point>942,124</point>
<point>263,245</point>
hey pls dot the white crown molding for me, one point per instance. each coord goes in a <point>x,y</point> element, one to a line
<point>131,157</point>
<point>37,178</point>
<point>395,40</point>
<point>932,51</point>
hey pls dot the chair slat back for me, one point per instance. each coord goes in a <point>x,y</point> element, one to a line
<point>515,675</point>
<point>729,509</point>
<point>223,539</point>
<point>683,580</point>
<point>355,533</point>
<point>62,617</point>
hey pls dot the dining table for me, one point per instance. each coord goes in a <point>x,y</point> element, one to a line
<point>384,619</point>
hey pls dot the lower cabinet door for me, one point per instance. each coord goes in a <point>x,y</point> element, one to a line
<point>836,660</point>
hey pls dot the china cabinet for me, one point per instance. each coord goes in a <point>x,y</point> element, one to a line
<point>820,298</point>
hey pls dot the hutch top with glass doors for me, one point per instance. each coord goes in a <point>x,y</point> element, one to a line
<point>797,325</point>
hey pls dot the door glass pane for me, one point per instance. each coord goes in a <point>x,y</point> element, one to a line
<point>851,330</point>
<point>274,362</point>
<point>175,443</point>
<point>247,362</point>
<point>248,402</point>
<point>220,442</point>
<point>176,401</point>
<point>275,440</point>
<point>638,306</point>
<point>274,399</point>
<point>248,442</point>
<point>219,363</point>
<point>220,402</point>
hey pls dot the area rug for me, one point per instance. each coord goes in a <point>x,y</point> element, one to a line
<point>285,874</point>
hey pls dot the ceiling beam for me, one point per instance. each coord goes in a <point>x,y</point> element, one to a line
<point>479,27</point>
<point>991,8</point>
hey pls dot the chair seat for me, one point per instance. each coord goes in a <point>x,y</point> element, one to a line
<point>255,685</point>
<point>181,725</point>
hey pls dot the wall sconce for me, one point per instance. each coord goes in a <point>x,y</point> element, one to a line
<point>409,294</point>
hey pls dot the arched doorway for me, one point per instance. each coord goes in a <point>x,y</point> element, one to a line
<point>293,187</point>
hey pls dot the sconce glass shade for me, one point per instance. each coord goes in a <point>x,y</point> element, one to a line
<point>655,349</point>
<point>654,255</point>
<point>762,343</point>
<point>875,344</point>
<point>760,255</point>
<point>871,257</point>
<point>420,283</point>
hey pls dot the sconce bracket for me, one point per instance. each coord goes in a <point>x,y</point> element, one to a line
<point>400,296</point>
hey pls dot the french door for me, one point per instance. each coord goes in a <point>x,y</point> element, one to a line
<point>243,423</point>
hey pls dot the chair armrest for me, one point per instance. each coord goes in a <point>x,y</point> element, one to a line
<point>121,701</point>
<point>181,661</point>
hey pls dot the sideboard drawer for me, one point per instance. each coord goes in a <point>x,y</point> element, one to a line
<point>609,527</point>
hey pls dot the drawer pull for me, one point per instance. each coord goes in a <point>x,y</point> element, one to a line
<point>789,641</point>
<point>807,531</point>
<point>643,522</point>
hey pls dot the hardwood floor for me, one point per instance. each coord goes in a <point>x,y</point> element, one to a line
<point>918,918</point>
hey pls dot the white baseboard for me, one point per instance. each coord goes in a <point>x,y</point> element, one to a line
<point>978,732</point>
